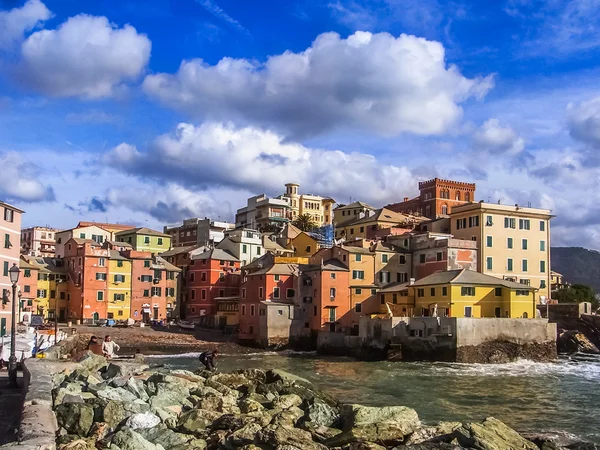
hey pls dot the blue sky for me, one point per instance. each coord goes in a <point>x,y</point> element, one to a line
<point>150,112</point>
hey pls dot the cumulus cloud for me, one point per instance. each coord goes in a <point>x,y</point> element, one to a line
<point>215,154</point>
<point>19,180</point>
<point>584,121</point>
<point>376,82</point>
<point>496,139</point>
<point>85,56</point>
<point>16,22</point>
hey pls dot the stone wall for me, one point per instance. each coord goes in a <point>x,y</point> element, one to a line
<point>470,331</point>
<point>561,312</point>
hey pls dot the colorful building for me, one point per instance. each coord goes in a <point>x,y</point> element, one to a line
<point>436,197</point>
<point>119,284</point>
<point>197,232</point>
<point>145,240</point>
<point>38,241</point>
<point>380,219</point>
<point>51,286</point>
<point>305,244</point>
<point>349,213</point>
<point>320,209</point>
<point>28,290</point>
<point>244,243</point>
<point>10,232</point>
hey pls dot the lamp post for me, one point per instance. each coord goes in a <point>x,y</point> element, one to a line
<point>58,281</point>
<point>12,361</point>
<point>20,294</point>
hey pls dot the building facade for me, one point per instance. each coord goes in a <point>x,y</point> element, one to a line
<point>196,231</point>
<point>244,243</point>
<point>351,212</point>
<point>437,197</point>
<point>513,241</point>
<point>10,230</point>
<point>38,241</point>
<point>262,211</point>
<point>320,209</point>
<point>145,240</point>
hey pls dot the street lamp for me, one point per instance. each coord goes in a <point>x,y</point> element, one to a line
<point>58,281</point>
<point>20,294</point>
<point>13,273</point>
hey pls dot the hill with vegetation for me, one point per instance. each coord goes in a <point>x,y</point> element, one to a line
<point>578,265</point>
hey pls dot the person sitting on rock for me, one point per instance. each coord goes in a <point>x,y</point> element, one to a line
<point>208,359</point>
<point>94,346</point>
<point>109,347</point>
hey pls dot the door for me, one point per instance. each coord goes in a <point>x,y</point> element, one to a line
<point>222,322</point>
<point>62,315</point>
<point>498,311</point>
<point>96,316</point>
<point>331,314</point>
<point>155,315</point>
<point>3,327</point>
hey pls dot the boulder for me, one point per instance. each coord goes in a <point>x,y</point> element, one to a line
<point>99,431</point>
<point>137,406</point>
<point>114,413</point>
<point>491,435</point>
<point>288,417</point>
<point>76,418</point>
<point>287,401</point>
<point>225,404</point>
<point>143,420</point>
<point>231,422</point>
<point>442,432</point>
<point>116,394</point>
<point>136,387</point>
<point>197,420</point>
<point>254,375</point>
<point>221,388</point>
<point>205,391</point>
<point>243,436</point>
<point>231,380</point>
<point>171,440</point>
<point>68,389</point>
<point>112,371</point>
<point>321,414</point>
<point>169,398</point>
<point>78,444</point>
<point>187,375</point>
<point>309,394</point>
<point>91,361</point>
<point>168,418</point>
<point>127,439</point>
<point>280,436</point>
<point>573,341</point>
<point>363,446</point>
<point>72,398</point>
<point>248,405</point>
<point>274,375</point>
<point>320,433</point>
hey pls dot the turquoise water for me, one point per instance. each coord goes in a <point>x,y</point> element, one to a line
<point>538,397</point>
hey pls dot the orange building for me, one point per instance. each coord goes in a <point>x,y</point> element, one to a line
<point>436,197</point>
<point>212,274</point>
<point>273,283</point>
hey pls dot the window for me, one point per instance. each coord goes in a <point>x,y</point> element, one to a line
<point>461,224</point>
<point>146,239</point>
<point>432,292</point>
<point>509,264</point>
<point>384,277</point>
<point>243,292</point>
<point>362,229</point>
<point>332,292</point>
<point>221,276</point>
<point>373,291</point>
<point>148,278</point>
<point>542,246</point>
<point>524,265</point>
<point>542,225</point>
<point>276,292</point>
<point>308,249</point>
<point>444,209</point>
<point>332,276</point>
<point>290,293</point>
<point>467,291</point>
<point>156,292</point>
<point>41,293</point>
<point>401,277</point>
<point>258,250</point>
<point>473,221</point>
<point>524,224</point>
<point>277,277</point>
<point>402,259</point>
<point>27,273</point>
<point>444,291</point>
<point>420,292</point>
<point>221,263</point>
<point>382,299</point>
<point>489,221</point>
<point>498,293</point>
<point>203,294</point>
<point>119,278</point>
<point>192,294</point>
<point>497,311</point>
<point>244,248</point>
<point>543,266</point>
<point>522,292</point>
<point>524,244</point>
<point>358,257</point>
<point>543,284</point>
<point>7,243</point>
<point>260,292</point>
<point>525,281</point>
<point>509,222</point>
<point>221,292</point>
<point>100,276</point>
<point>509,243</point>
<point>489,263</point>
<point>252,308</point>
<point>202,276</point>
<point>147,263</point>
<point>358,307</point>
<point>81,235</point>
<point>422,258</point>
<point>439,256</point>
<point>384,258</point>
<point>243,310</point>
<point>119,297</point>
<point>358,291</point>
<point>159,241</point>
<point>488,241</point>
<point>358,274</point>
<point>52,294</point>
<point>28,289</point>
<point>147,293</point>
<point>119,263</point>
<point>100,296</point>
<point>468,311</point>
<point>8,215</point>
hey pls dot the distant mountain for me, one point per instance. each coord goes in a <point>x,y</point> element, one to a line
<point>578,265</point>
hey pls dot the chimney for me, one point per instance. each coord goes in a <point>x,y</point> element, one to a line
<point>411,281</point>
<point>405,199</point>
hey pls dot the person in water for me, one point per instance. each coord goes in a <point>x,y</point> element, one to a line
<point>208,359</point>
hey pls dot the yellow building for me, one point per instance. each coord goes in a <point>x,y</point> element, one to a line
<point>51,287</point>
<point>362,226</point>
<point>119,286</point>
<point>461,293</point>
<point>304,245</point>
<point>319,208</point>
<point>145,240</point>
<point>514,242</point>
<point>351,212</point>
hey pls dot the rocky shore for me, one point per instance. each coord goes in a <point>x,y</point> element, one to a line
<point>103,404</point>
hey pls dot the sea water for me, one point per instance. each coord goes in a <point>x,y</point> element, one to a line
<point>562,396</point>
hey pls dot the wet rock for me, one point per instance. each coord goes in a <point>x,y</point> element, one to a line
<point>255,375</point>
<point>443,431</point>
<point>127,439</point>
<point>197,420</point>
<point>76,418</point>
<point>279,436</point>
<point>287,401</point>
<point>78,444</point>
<point>493,435</point>
<point>322,414</point>
<point>143,420</point>
<point>572,341</point>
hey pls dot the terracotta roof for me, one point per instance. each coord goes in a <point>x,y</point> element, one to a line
<point>114,254</point>
<point>291,231</point>
<point>120,244</point>
<point>382,215</point>
<point>25,265</point>
<point>43,264</point>
<point>394,287</point>
<point>217,254</point>
<point>355,205</point>
<point>278,269</point>
<point>84,241</point>
<point>115,226</point>
<point>168,266</point>
<point>180,250</point>
<point>143,231</point>
<point>330,265</point>
<point>465,276</point>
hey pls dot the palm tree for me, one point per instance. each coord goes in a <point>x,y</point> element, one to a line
<point>304,222</point>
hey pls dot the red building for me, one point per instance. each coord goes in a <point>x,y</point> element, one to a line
<point>274,283</point>
<point>436,197</point>
<point>212,274</point>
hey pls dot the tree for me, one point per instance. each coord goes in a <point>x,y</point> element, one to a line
<point>576,293</point>
<point>304,222</point>
<point>270,227</point>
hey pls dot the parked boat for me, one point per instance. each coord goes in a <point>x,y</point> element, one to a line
<point>187,325</point>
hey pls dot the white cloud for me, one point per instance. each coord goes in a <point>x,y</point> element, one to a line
<point>16,22</point>
<point>376,82</point>
<point>19,180</point>
<point>256,160</point>
<point>584,121</point>
<point>497,139</point>
<point>85,56</point>
<point>219,13</point>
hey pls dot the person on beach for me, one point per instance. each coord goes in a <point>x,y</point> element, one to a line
<point>208,359</point>
<point>94,346</point>
<point>109,347</point>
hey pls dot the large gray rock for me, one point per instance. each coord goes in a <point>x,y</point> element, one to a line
<point>231,380</point>
<point>76,418</point>
<point>166,398</point>
<point>443,431</point>
<point>287,401</point>
<point>116,394</point>
<point>287,437</point>
<point>143,420</point>
<point>127,439</point>
<point>171,440</point>
<point>197,420</point>
<point>321,414</point>
<point>491,435</point>
<point>112,371</point>
<point>114,413</point>
<point>91,361</point>
<point>221,388</point>
<point>68,389</point>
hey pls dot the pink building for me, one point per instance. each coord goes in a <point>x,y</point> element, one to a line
<point>10,249</point>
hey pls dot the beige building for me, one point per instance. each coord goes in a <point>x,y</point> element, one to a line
<point>38,241</point>
<point>513,241</point>
<point>351,212</point>
<point>319,208</point>
<point>10,229</point>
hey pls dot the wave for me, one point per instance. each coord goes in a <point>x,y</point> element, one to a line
<point>237,355</point>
